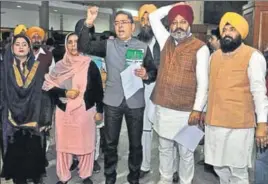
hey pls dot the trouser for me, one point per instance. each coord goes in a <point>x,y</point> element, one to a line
<point>97,146</point>
<point>113,117</point>
<point>232,175</point>
<point>64,162</point>
<point>261,172</point>
<point>147,135</point>
<point>167,164</point>
<point>147,138</point>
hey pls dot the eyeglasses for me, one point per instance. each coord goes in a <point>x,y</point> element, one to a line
<point>122,22</point>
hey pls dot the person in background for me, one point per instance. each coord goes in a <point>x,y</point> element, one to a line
<point>261,165</point>
<point>214,40</point>
<point>76,85</point>
<point>180,89</point>
<point>116,52</point>
<point>24,115</point>
<point>50,44</point>
<point>59,50</point>
<point>237,103</point>
<point>37,35</point>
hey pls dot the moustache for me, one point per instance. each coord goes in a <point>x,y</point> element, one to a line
<point>228,38</point>
<point>37,45</point>
<point>179,30</point>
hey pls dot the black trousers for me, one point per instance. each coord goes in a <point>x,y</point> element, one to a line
<point>113,117</point>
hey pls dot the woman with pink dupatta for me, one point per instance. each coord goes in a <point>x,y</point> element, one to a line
<point>75,83</point>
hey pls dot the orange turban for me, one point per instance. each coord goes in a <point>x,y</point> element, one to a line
<point>237,21</point>
<point>149,8</point>
<point>35,30</point>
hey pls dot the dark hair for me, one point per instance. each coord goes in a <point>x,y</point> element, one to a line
<point>50,42</point>
<point>128,14</point>
<point>216,32</point>
<point>21,36</point>
<point>106,34</point>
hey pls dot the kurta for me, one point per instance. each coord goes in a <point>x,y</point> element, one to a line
<point>76,135</point>
<point>233,147</point>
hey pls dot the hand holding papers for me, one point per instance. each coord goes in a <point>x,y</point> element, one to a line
<point>131,83</point>
<point>189,137</point>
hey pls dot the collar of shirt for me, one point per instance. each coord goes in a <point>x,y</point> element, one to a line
<point>41,51</point>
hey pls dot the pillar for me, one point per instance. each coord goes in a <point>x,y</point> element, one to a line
<point>44,15</point>
<point>61,23</point>
<point>112,17</point>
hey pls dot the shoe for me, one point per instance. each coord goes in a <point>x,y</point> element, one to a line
<point>143,173</point>
<point>74,165</point>
<point>87,181</point>
<point>175,177</point>
<point>96,167</point>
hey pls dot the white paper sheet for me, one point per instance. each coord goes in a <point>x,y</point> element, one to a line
<point>189,137</point>
<point>131,83</point>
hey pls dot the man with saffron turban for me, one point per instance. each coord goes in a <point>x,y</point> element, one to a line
<point>236,93</point>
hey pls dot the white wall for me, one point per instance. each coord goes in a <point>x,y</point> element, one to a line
<point>12,17</point>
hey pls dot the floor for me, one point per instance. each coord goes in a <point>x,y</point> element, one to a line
<point>201,177</point>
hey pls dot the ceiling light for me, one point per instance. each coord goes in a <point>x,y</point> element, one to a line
<point>55,10</point>
<point>18,6</point>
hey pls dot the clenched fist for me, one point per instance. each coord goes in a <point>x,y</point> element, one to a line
<point>72,93</point>
<point>92,13</point>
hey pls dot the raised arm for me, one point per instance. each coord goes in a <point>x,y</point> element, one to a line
<point>85,30</point>
<point>160,32</point>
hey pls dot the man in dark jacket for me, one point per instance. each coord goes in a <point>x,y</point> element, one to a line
<point>120,54</point>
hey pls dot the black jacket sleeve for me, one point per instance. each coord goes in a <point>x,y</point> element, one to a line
<point>150,67</point>
<point>97,86</point>
<point>57,92</point>
<point>87,45</point>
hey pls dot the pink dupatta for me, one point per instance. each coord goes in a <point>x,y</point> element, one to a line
<point>72,68</point>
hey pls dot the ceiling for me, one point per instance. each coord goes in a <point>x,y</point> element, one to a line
<point>215,8</point>
<point>124,4</point>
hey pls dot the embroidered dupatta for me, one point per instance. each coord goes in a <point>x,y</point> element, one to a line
<point>22,90</point>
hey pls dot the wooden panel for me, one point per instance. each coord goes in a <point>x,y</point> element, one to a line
<point>256,14</point>
<point>263,36</point>
<point>249,17</point>
<point>200,31</point>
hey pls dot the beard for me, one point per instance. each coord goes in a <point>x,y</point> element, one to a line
<point>180,34</point>
<point>146,34</point>
<point>37,45</point>
<point>229,44</point>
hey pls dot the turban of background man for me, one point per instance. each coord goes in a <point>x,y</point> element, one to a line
<point>149,8</point>
<point>19,28</point>
<point>35,30</point>
<point>185,11</point>
<point>237,21</point>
